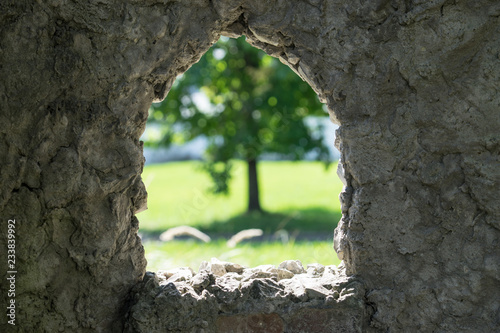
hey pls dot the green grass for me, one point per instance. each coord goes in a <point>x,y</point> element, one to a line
<point>295,195</point>
<point>166,256</point>
<point>298,197</point>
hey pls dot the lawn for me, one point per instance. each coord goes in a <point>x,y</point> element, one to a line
<point>295,195</point>
<point>300,200</point>
<point>164,256</point>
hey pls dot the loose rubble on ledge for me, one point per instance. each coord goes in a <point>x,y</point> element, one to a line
<point>223,294</point>
<point>290,277</point>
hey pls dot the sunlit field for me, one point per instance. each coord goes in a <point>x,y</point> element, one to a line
<point>250,254</point>
<point>301,206</point>
<point>302,195</point>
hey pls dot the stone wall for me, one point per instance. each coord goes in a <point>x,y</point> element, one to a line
<point>413,84</point>
<point>226,297</point>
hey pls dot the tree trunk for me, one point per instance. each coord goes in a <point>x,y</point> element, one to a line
<point>253,187</point>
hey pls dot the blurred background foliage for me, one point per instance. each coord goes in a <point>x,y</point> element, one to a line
<point>245,104</point>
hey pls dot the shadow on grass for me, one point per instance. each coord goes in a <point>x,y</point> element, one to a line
<point>307,220</point>
<point>313,221</point>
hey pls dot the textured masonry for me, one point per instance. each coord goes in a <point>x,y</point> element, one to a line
<point>413,84</point>
<point>225,297</point>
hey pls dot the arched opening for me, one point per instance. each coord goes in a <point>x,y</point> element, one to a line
<point>244,107</point>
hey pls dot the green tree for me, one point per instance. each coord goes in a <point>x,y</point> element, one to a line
<point>256,105</point>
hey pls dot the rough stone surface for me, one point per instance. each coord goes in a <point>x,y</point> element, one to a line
<point>413,84</point>
<point>249,302</point>
<point>256,323</point>
<point>294,266</point>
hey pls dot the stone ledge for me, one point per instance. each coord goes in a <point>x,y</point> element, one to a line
<point>226,297</point>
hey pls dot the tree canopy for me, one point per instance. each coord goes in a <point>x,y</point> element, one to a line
<point>245,103</point>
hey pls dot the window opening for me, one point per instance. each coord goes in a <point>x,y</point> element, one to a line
<point>250,145</point>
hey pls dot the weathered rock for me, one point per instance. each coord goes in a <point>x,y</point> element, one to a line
<point>283,274</point>
<point>295,288</point>
<point>253,323</point>
<point>294,266</point>
<point>315,269</point>
<point>180,274</point>
<point>215,266</point>
<point>201,280</point>
<point>261,272</point>
<point>170,307</point>
<point>250,304</point>
<point>232,267</point>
